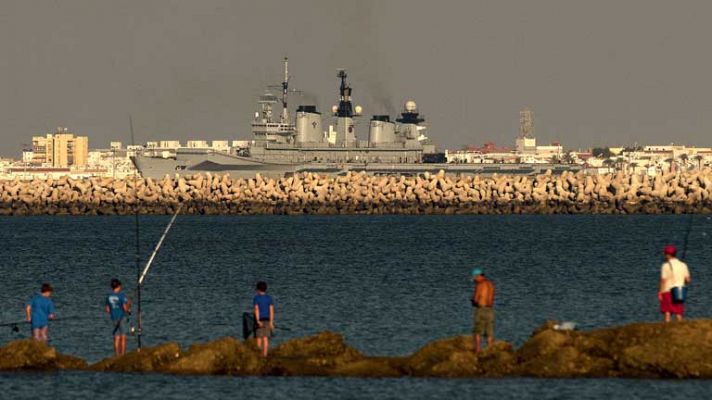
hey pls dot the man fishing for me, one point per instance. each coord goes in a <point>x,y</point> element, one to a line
<point>264,316</point>
<point>483,302</point>
<point>39,311</point>
<point>674,275</point>
<point>118,306</point>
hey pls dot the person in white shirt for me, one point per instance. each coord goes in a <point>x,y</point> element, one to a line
<point>673,273</point>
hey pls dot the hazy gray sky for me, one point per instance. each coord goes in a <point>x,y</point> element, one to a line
<point>595,72</point>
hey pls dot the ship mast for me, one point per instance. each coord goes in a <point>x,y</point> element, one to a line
<point>285,90</point>
<point>344,109</point>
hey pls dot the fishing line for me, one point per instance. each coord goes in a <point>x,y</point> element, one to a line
<point>687,236</point>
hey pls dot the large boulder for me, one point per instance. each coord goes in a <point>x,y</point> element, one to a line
<point>449,357</point>
<point>497,360</point>
<point>644,350</point>
<point>560,354</point>
<point>29,354</point>
<point>674,350</point>
<point>456,357</point>
<point>313,355</point>
<point>225,356</point>
<point>148,359</point>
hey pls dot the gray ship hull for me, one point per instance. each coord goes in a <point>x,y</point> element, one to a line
<point>201,161</point>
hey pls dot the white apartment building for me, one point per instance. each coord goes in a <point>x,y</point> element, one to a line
<point>197,144</point>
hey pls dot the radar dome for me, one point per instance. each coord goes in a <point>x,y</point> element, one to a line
<point>358,109</point>
<point>410,106</point>
<point>334,109</point>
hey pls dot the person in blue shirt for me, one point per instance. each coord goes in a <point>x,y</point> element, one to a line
<point>118,306</point>
<point>264,316</point>
<point>39,311</point>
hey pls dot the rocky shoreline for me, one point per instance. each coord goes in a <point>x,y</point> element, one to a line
<point>569,193</point>
<point>645,350</point>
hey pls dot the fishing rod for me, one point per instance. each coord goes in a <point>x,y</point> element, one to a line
<point>142,277</point>
<point>14,325</point>
<point>137,254</point>
<point>141,273</point>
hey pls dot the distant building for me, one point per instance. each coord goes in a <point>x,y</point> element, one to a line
<point>553,150</point>
<point>115,145</point>
<point>27,156</point>
<point>167,144</point>
<point>525,149</point>
<point>197,144</point>
<point>525,145</point>
<point>488,153</point>
<point>221,145</point>
<point>240,144</point>
<point>651,159</point>
<point>60,150</point>
<point>526,142</point>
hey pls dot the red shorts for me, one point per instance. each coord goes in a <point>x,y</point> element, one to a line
<point>667,306</point>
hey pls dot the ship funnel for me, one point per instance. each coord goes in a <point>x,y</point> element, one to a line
<point>308,125</point>
<point>381,131</point>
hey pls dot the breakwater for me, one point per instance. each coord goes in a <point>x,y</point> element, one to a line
<point>646,350</point>
<point>568,193</point>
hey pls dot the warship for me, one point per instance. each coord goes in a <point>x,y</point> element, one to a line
<point>282,146</point>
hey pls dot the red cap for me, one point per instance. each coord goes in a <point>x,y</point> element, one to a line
<point>670,250</point>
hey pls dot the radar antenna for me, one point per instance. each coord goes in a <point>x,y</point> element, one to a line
<point>284,86</point>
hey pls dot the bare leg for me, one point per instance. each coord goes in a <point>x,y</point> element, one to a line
<point>678,317</point>
<point>43,334</point>
<point>265,347</point>
<point>490,341</point>
<point>117,345</point>
<point>667,317</point>
<point>478,339</point>
<point>122,345</point>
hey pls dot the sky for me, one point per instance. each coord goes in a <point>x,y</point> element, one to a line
<point>595,73</point>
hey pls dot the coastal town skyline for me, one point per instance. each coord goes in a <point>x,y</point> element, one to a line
<point>187,77</point>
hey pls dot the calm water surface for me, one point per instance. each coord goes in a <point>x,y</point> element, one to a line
<point>389,284</point>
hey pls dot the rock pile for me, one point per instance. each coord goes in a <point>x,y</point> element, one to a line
<point>619,193</point>
<point>32,355</point>
<point>650,350</point>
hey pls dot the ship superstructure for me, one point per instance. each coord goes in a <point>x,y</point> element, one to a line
<point>265,127</point>
<point>307,142</point>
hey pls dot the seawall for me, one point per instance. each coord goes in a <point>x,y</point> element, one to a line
<point>569,193</point>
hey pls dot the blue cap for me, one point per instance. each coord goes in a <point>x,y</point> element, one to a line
<point>476,272</point>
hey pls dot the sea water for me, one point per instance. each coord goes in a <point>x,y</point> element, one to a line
<point>389,284</point>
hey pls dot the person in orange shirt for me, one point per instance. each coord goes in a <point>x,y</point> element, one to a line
<point>483,302</point>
